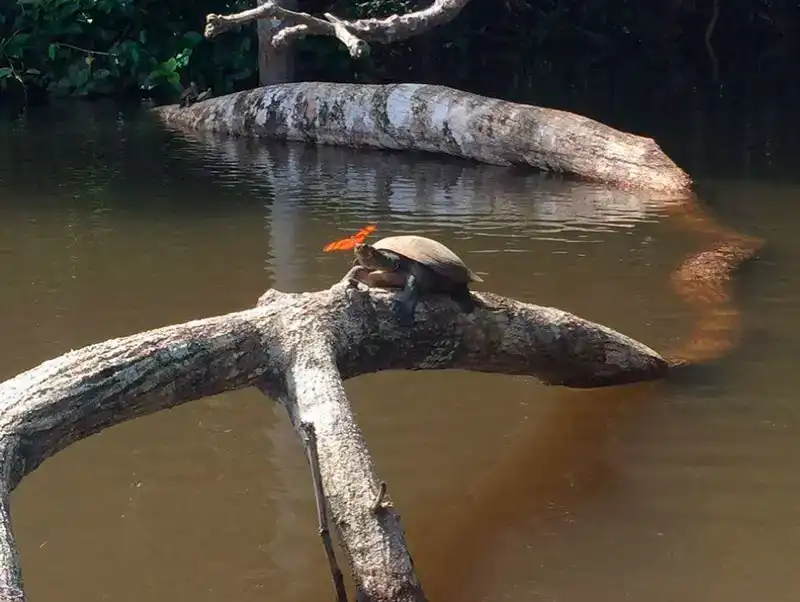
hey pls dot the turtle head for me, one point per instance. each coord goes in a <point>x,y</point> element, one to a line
<point>371,258</point>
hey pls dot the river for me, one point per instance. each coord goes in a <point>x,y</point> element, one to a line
<point>509,490</point>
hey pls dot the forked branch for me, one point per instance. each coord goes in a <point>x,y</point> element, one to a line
<point>298,348</point>
<point>353,34</point>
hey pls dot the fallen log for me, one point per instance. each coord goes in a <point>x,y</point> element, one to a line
<point>439,119</point>
<point>298,348</point>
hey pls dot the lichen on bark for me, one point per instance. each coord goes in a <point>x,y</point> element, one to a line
<point>439,119</point>
<point>298,348</point>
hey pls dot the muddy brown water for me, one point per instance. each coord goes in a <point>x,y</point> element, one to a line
<point>509,490</point>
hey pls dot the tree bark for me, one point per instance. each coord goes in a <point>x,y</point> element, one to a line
<point>275,62</point>
<point>351,33</point>
<point>298,348</point>
<point>439,119</point>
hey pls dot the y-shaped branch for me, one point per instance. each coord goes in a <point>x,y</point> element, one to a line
<point>298,349</point>
<point>351,33</point>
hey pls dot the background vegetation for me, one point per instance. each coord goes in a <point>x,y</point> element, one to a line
<point>141,48</point>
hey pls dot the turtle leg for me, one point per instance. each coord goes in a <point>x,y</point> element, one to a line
<point>383,279</point>
<point>355,275</point>
<point>374,278</point>
<point>407,301</point>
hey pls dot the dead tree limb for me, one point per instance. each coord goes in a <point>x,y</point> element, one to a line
<point>353,34</point>
<point>275,63</point>
<point>10,576</point>
<point>298,348</point>
<point>310,440</point>
<point>439,119</point>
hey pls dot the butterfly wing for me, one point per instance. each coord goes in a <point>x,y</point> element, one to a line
<point>346,244</point>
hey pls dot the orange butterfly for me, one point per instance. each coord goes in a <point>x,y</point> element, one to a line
<point>345,244</point>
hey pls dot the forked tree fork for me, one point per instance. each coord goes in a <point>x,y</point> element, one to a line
<point>298,349</point>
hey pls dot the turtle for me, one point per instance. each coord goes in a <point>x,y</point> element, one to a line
<point>189,95</point>
<point>418,265</point>
<point>204,95</point>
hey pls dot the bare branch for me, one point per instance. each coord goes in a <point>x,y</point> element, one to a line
<point>217,24</point>
<point>10,576</point>
<point>401,27</point>
<point>289,34</point>
<point>310,441</point>
<point>355,46</point>
<point>351,33</point>
<point>298,348</point>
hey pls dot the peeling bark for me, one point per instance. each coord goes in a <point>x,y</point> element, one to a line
<point>298,348</point>
<point>439,119</point>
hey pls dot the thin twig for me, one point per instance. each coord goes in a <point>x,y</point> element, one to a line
<point>709,31</point>
<point>322,513</point>
<point>381,503</point>
<point>86,50</point>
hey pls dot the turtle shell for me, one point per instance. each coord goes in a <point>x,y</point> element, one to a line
<point>431,254</point>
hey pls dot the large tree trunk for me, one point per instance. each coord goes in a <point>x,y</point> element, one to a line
<point>439,119</point>
<point>298,348</point>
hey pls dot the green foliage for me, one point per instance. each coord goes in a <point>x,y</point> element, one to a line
<point>119,47</point>
<point>151,47</point>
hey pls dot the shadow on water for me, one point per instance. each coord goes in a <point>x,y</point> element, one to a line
<point>563,461</point>
<point>114,225</point>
